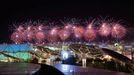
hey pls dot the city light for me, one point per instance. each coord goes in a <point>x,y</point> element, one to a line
<point>65,55</point>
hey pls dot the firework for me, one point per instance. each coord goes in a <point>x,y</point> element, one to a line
<point>68,26</point>
<point>29,28</point>
<point>78,31</point>
<point>20,29</point>
<point>105,29</point>
<point>40,36</point>
<point>17,37</point>
<point>64,34</point>
<point>118,31</point>
<point>53,35</point>
<point>28,36</point>
<point>40,28</point>
<point>89,26</point>
<point>90,33</point>
<point>37,33</point>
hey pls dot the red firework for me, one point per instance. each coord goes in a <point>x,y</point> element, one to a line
<point>29,36</point>
<point>38,33</point>
<point>29,28</point>
<point>118,31</point>
<point>17,37</point>
<point>90,33</point>
<point>68,26</point>
<point>64,34</point>
<point>89,26</point>
<point>78,31</point>
<point>105,29</point>
<point>40,28</point>
<point>20,29</point>
<point>40,36</point>
<point>53,35</point>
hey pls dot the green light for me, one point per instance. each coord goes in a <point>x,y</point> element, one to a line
<point>21,55</point>
<point>2,57</point>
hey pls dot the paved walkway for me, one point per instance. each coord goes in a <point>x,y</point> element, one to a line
<point>18,68</point>
<point>77,70</point>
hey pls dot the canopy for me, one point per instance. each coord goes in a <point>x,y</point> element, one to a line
<point>15,47</point>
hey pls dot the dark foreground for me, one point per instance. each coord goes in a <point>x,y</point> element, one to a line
<point>18,68</point>
<point>58,69</point>
<point>48,70</point>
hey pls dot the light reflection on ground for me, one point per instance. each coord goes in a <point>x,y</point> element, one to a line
<point>77,70</point>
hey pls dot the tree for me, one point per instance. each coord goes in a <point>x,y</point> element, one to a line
<point>44,54</point>
<point>85,51</point>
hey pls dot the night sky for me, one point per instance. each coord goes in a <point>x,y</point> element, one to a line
<point>20,11</point>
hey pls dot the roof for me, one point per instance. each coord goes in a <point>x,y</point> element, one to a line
<point>15,47</point>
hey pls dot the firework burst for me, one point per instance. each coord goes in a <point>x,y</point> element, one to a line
<point>105,29</point>
<point>78,31</point>
<point>53,35</point>
<point>64,34</point>
<point>118,31</point>
<point>90,33</point>
<point>68,26</point>
<point>38,33</point>
<point>17,37</point>
<point>20,29</point>
<point>40,36</point>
